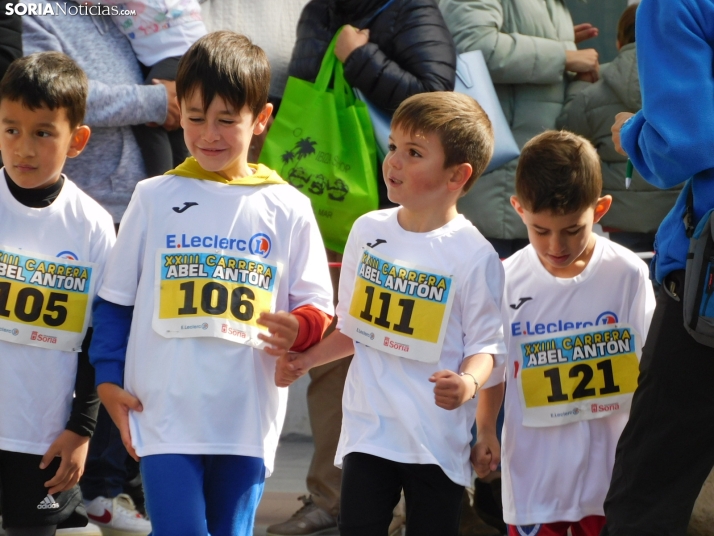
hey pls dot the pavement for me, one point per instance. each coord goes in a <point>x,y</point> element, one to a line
<point>282,489</point>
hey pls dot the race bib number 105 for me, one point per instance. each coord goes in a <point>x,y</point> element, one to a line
<point>208,294</point>
<point>577,375</point>
<point>399,308</point>
<point>44,301</point>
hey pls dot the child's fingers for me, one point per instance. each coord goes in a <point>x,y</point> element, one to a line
<point>439,375</point>
<point>62,479</point>
<point>50,455</point>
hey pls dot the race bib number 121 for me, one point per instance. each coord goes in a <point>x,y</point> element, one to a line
<point>399,308</point>
<point>577,375</point>
<point>209,294</point>
<point>44,301</point>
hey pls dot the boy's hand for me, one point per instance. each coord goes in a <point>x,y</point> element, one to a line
<point>118,403</point>
<point>283,328</point>
<point>451,390</point>
<point>620,119</point>
<point>72,448</point>
<point>289,367</point>
<point>486,454</point>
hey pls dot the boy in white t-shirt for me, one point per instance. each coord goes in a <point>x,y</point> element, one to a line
<point>204,255</point>
<point>576,309</point>
<point>419,306</point>
<point>54,241</point>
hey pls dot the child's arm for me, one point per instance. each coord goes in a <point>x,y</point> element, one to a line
<point>71,445</point>
<point>291,366</point>
<point>296,331</point>
<point>451,390</point>
<point>72,448</point>
<point>486,453</point>
<point>107,352</point>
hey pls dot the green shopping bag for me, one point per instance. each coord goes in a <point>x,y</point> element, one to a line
<point>322,142</point>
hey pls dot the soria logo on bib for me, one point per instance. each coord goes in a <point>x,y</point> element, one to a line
<point>260,244</point>
<point>541,328</point>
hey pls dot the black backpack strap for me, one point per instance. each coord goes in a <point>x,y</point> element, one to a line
<point>689,211</point>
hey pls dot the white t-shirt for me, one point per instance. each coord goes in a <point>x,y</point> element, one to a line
<point>208,395</point>
<point>388,403</point>
<point>40,381</point>
<point>562,473</point>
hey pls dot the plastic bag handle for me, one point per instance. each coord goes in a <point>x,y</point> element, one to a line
<point>327,67</point>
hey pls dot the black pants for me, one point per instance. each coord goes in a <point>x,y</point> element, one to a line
<point>666,451</point>
<point>25,502</point>
<point>372,486</point>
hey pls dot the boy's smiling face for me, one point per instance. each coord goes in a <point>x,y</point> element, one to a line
<point>35,143</point>
<point>219,138</point>
<point>564,242</point>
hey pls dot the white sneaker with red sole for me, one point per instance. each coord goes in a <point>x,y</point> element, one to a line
<point>117,516</point>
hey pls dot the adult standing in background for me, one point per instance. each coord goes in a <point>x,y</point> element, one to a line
<point>637,211</point>
<point>529,47</point>
<point>111,165</point>
<point>10,38</point>
<point>666,450</point>
<point>391,50</point>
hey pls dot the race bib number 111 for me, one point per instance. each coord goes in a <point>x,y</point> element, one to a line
<point>209,294</point>
<point>44,301</point>
<point>578,375</point>
<point>399,308</point>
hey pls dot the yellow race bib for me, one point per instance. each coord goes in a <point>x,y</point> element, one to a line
<point>200,293</point>
<point>399,308</point>
<point>577,375</point>
<point>44,301</point>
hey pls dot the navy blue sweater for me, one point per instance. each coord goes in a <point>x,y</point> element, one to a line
<point>672,138</point>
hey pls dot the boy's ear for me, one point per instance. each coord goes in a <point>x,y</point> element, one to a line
<point>518,207</point>
<point>602,205</point>
<point>80,137</point>
<point>462,173</point>
<point>262,120</point>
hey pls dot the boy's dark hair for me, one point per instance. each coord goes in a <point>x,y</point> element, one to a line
<point>226,64</point>
<point>462,126</point>
<point>47,79</point>
<point>626,26</point>
<point>558,172</point>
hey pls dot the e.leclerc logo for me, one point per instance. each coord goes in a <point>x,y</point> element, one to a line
<point>259,244</point>
<point>608,317</point>
<point>69,255</point>
<point>541,328</point>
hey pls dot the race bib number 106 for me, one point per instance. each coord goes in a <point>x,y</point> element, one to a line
<point>44,301</point>
<point>208,294</point>
<point>399,308</point>
<point>577,375</point>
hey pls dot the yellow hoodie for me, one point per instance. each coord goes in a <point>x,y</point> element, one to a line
<point>193,170</point>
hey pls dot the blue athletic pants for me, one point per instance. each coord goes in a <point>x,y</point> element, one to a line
<point>201,495</point>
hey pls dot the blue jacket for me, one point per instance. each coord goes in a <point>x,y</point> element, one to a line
<point>672,138</point>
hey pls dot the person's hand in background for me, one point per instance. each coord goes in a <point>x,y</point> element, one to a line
<point>350,39</point>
